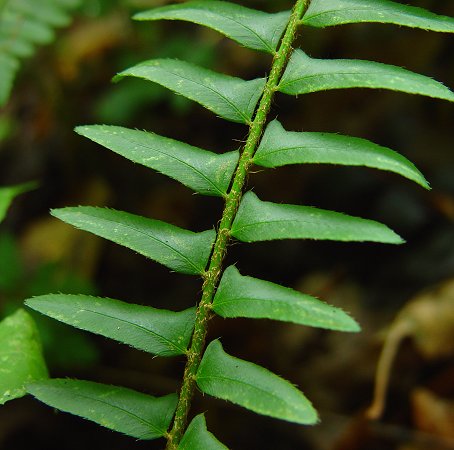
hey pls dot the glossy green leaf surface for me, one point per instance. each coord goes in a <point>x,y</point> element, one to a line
<point>326,13</point>
<point>157,331</point>
<point>252,386</point>
<point>179,249</point>
<point>203,171</point>
<point>20,355</point>
<point>262,221</point>
<point>9,193</point>
<point>305,74</point>
<point>124,410</point>
<point>251,28</point>
<point>229,97</point>
<point>242,296</point>
<point>197,437</point>
<point>279,147</point>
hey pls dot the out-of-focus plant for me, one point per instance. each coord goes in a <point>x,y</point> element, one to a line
<point>20,347</point>
<point>17,283</point>
<point>24,24</point>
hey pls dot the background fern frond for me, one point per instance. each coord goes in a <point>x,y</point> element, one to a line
<point>24,24</point>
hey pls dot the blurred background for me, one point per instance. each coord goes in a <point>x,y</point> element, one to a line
<point>386,288</point>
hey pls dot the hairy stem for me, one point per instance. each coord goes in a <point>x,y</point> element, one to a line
<point>233,198</point>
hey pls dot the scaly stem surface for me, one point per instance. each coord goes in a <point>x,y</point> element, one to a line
<point>233,198</point>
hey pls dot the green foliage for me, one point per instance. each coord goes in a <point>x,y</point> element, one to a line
<point>229,97</point>
<point>178,249</point>
<point>9,193</point>
<point>120,409</point>
<point>20,355</point>
<point>305,74</point>
<point>253,29</point>
<point>326,13</point>
<point>164,333</point>
<point>252,387</point>
<point>245,217</point>
<point>263,221</point>
<point>197,437</point>
<point>205,172</point>
<point>23,25</point>
<point>240,296</point>
<point>279,147</point>
<point>63,347</point>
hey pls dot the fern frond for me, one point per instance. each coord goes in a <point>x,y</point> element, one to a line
<point>24,24</point>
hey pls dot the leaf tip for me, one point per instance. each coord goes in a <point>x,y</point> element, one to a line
<point>82,129</point>
<point>353,326</point>
<point>139,16</point>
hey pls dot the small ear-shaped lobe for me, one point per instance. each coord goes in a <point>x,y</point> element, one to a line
<point>197,437</point>
<point>326,13</point>
<point>229,97</point>
<point>157,331</point>
<point>279,147</point>
<point>21,355</point>
<point>305,74</point>
<point>120,409</point>
<point>253,29</point>
<point>181,250</point>
<point>242,296</point>
<point>257,220</point>
<point>205,172</point>
<point>251,386</point>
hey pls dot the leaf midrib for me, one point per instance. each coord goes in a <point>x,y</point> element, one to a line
<point>401,13</point>
<point>170,343</point>
<point>179,160</point>
<point>318,75</point>
<point>234,107</point>
<point>153,238</point>
<point>265,222</point>
<point>250,29</point>
<point>368,149</point>
<point>217,15</point>
<point>140,419</point>
<point>252,386</point>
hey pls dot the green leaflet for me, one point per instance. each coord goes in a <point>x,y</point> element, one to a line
<point>20,355</point>
<point>8,193</point>
<point>229,97</point>
<point>252,387</point>
<point>262,221</point>
<point>22,26</point>
<point>203,171</point>
<point>251,28</point>
<point>305,74</point>
<point>197,437</point>
<point>174,247</point>
<point>326,13</point>
<point>124,410</point>
<point>242,296</point>
<point>157,331</point>
<point>279,147</point>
